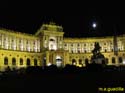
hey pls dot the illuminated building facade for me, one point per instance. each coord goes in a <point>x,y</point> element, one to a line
<point>48,46</point>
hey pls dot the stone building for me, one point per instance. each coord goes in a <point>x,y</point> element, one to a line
<point>49,46</point>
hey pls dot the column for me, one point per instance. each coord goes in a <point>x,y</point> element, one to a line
<point>47,57</point>
<point>17,44</point>
<point>31,44</point>
<point>10,41</point>
<point>0,40</point>
<point>24,44</point>
<point>47,41</point>
<point>38,45</point>
<point>2,44</point>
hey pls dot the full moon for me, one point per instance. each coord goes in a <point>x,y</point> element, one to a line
<point>94,25</point>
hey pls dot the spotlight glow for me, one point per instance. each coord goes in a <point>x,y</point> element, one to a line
<point>123,61</point>
<point>49,64</point>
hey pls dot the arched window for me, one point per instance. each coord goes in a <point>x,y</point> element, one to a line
<point>52,40</point>
<point>113,60</point>
<point>86,61</point>
<point>120,60</point>
<point>28,62</point>
<point>21,61</point>
<point>78,50</point>
<point>35,62</point>
<point>80,61</point>
<point>58,61</point>
<point>13,61</point>
<point>6,61</point>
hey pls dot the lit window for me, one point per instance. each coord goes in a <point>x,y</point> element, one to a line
<point>35,49</point>
<point>28,48</point>
<point>38,50</point>
<point>14,47</point>
<point>21,47</point>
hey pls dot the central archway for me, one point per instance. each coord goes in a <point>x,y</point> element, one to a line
<point>52,43</point>
<point>58,61</point>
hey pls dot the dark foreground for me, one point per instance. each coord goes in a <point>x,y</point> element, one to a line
<point>61,81</point>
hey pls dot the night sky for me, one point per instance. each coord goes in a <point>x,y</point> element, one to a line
<point>27,17</point>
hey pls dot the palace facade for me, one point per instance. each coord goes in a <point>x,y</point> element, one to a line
<point>48,46</point>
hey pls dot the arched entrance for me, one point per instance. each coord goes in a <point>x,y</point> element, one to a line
<point>120,59</point>
<point>113,60</point>
<point>58,61</point>
<point>52,43</point>
<point>80,61</point>
<point>35,62</point>
<point>28,62</point>
<point>6,61</point>
<point>21,61</point>
<point>73,62</point>
<point>13,61</point>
